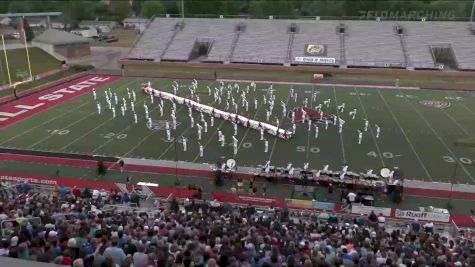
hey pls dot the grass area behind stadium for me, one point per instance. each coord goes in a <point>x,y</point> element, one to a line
<point>416,135</point>
<point>18,63</point>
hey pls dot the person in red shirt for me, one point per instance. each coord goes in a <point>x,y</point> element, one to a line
<point>76,192</point>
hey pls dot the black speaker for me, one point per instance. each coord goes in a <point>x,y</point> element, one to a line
<point>397,194</point>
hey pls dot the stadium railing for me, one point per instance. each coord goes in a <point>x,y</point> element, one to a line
<point>281,17</point>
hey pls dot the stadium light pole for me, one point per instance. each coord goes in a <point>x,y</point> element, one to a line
<point>183,10</point>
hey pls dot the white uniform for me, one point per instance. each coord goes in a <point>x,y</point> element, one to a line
<point>266,146</point>
<point>184,140</point>
<point>378,130</point>
<point>262,134</point>
<point>201,151</point>
<point>294,128</point>
<point>134,97</point>
<point>255,103</point>
<point>205,126</point>
<point>360,137</point>
<point>135,118</point>
<point>149,123</point>
<point>235,128</point>
<point>212,121</point>
<point>316,132</point>
<point>199,130</point>
<point>94,93</point>
<point>113,112</point>
<point>99,108</point>
<point>366,124</point>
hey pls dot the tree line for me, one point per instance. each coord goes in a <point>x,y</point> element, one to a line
<point>76,10</point>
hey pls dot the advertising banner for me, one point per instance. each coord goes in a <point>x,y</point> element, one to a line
<point>316,60</point>
<point>422,215</point>
<point>359,209</point>
<point>323,205</point>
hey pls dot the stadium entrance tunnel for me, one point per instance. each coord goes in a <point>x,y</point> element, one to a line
<point>444,57</point>
<point>201,48</point>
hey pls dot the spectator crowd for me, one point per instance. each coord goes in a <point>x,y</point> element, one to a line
<point>77,228</point>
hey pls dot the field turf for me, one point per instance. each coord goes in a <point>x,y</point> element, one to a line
<point>426,142</point>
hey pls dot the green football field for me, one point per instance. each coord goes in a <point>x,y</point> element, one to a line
<point>429,135</point>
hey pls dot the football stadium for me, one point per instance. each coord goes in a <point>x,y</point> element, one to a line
<point>237,133</point>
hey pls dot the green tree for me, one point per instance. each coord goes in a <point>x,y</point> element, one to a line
<point>120,9</point>
<point>152,7</point>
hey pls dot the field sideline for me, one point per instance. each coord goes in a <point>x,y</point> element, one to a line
<point>419,130</point>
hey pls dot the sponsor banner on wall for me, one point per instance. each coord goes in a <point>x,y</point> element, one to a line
<point>359,209</point>
<point>316,60</point>
<point>299,203</point>
<point>323,205</point>
<point>315,50</point>
<point>249,199</point>
<point>422,215</point>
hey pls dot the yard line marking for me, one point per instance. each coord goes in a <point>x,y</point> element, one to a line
<point>341,134</point>
<point>43,123</point>
<point>461,103</point>
<point>370,127</point>
<point>440,139</point>
<point>52,119</point>
<point>405,135</point>
<point>123,130</point>
<point>454,121</point>
<point>132,124</point>
<point>174,144</point>
<point>97,127</point>
<point>307,151</point>
<point>248,129</point>
<point>281,119</point>
<point>146,137</point>
<point>210,139</point>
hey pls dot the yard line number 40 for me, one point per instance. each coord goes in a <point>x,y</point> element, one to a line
<point>464,160</point>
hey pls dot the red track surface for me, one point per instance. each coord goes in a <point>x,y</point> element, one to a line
<point>199,173</point>
<point>460,220</point>
<point>28,106</point>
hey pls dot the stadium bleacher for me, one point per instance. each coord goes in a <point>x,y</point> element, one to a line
<point>83,228</point>
<point>364,43</point>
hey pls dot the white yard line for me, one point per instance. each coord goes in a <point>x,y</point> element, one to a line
<point>440,139</point>
<point>454,120</point>
<point>461,103</point>
<point>248,129</point>
<point>181,134</point>
<point>370,127</point>
<point>123,130</point>
<point>75,122</point>
<point>97,127</point>
<point>341,134</point>
<point>405,135</point>
<point>146,137</point>
<point>281,119</point>
<point>307,151</point>
<point>43,123</point>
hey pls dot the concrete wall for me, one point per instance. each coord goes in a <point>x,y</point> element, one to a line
<point>73,51</point>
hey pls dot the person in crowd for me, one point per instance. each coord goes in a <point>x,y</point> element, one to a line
<point>212,235</point>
